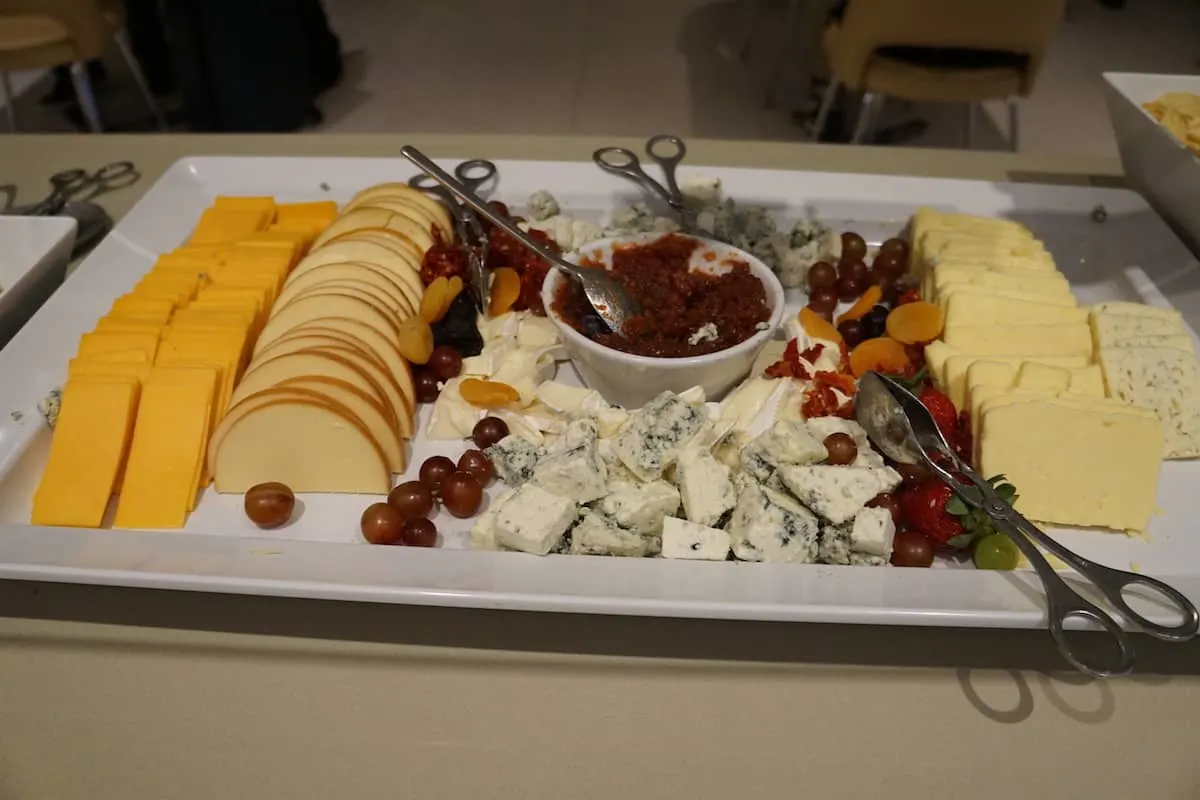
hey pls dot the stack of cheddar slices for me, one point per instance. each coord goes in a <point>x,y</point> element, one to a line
<point>154,378</point>
<point>327,402</point>
<point>1019,355</point>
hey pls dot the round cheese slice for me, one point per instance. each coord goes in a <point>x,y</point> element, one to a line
<point>353,270</point>
<point>383,251</point>
<point>407,207</point>
<point>365,294</point>
<point>383,294</point>
<point>284,366</point>
<point>430,204</point>
<point>308,444</point>
<point>365,407</point>
<point>377,219</point>
<point>364,337</point>
<point>406,250</point>
<point>313,307</point>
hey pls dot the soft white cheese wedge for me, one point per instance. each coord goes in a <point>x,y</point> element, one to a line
<point>1074,461</point>
<point>533,520</point>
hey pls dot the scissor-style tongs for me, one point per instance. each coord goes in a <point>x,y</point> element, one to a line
<point>472,237</point>
<point>664,150</point>
<point>900,425</point>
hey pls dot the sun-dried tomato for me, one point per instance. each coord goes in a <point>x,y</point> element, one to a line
<point>822,401</point>
<point>790,366</point>
<point>443,260</point>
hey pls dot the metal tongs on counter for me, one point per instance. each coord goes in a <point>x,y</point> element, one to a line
<point>903,429</point>
<point>607,297</point>
<point>666,151</point>
<point>473,174</point>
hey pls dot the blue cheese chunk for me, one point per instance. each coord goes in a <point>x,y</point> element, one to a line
<point>541,205</point>
<point>770,526</point>
<point>483,532</point>
<point>533,520</point>
<point>688,540</point>
<point>837,493</point>
<point>641,507</point>
<point>48,406</point>
<point>653,437</point>
<point>823,427</point>
<point>515,459</point>
<point>704,487</point>
<point>787,442</point>
<point>867,560</point>
<point>597,535</point>
<point>578,474</point>
<point>834,547</point>
<point>872,532</point>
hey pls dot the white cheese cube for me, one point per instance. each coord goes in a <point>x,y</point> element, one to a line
<point>609,420</point>
<point>641,507</point>
<point>788,442</point>
<point>688,540</point>
<point>837,493</point>
<point>580,433</point>
<point>652,438</point>
<point>533,520</point>
<point>597,535</point>
<point>578,474</point>
<point>704,486</point>
<point>770,526</point>
<point>694,395</point>
<point>515,459</point>
<point>873,532</point>
<point>1165,381</point>
<point>483,531</point>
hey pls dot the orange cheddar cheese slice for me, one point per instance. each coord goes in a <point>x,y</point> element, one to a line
<point>101,342</point>
<point>78,368</point>
<point>167,449</point>
<point>320,210</point>
<point>263,204</point>
<point>90,443</point>
<point>222,225</point>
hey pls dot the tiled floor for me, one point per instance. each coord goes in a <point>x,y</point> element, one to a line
<point>643,66</point>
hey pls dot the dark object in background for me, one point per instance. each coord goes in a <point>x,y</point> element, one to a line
<point>251,65</point>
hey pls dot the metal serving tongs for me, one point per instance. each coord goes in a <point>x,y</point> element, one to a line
<point>474,174</point>
<point>900,425</point>
<point>608,298</point>
<point>666,151</point>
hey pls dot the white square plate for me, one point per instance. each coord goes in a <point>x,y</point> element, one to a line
<point>1130,254</point>
<point>34,252</point>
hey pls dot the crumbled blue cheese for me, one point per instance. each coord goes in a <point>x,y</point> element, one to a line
<point>834,546</point>
<point>580,433</point>
<point>652,438</point>
<point>515,459</point>
<point>571,401</point>
<point>541,205</point>
<point>770,526</point>
<point>705,333</point>
<point>483,531</point>
<point>701,190</point>
<point>578,474</point>
<point>705,487</point>
<point>787,442</point>
<point>568,233</point>
<point>597,535</point>
<point>635,218</point>
<point>837,493</point>
<point>49,406</point>
<point>640,507</point>
<point>867,560</point>
<point>872,532</point>
<point>823,427</point>
<point>533,520</point>
<point>688,540</point>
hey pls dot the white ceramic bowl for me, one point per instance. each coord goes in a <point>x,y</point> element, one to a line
<point>34,252</point>
<point>1157,164</point>
<point>630,380</point>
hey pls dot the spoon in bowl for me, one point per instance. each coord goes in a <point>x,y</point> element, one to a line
<point>904,430</point>
<point>607,297</point>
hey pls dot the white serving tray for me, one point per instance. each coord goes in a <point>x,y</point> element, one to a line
<point>321,554</point>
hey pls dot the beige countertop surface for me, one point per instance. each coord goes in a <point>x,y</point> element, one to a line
<point>122,693</point>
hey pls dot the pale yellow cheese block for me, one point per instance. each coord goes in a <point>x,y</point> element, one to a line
<point>1074,462</point>
<point>956,363</point>
<point>1030,340</point>
<point>308,309</point>
<point>984,309</point>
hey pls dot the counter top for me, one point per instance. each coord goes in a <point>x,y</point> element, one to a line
<point>109,693</point>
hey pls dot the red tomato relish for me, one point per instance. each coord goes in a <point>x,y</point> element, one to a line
<point>680,307</point>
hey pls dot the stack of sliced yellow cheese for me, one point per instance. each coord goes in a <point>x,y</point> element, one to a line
<point>1017,353</point>
<point>150,383</point>
<point>328,402</point>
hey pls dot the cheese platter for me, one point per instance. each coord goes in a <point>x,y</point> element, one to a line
<point>349,392</point>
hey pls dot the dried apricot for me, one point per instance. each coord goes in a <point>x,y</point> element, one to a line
<point>883,354</point>
<point>415,340</point>
<point>433,302</point>
<point>488,394</point>
<point>862,305</point>
<point>453,289</point>
<point>506,288</point>
<point>915,323</point>
<point>817,326</point>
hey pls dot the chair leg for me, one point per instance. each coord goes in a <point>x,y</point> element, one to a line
<point>866,114</point>
<point>139,77</point>
<point>1014,126</point>
<point>85,95</point>
<point>781,56</point>
<point>827,101</point>
<point>10,101</point>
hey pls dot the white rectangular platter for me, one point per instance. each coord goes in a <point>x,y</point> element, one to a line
<point>1131,254</point>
